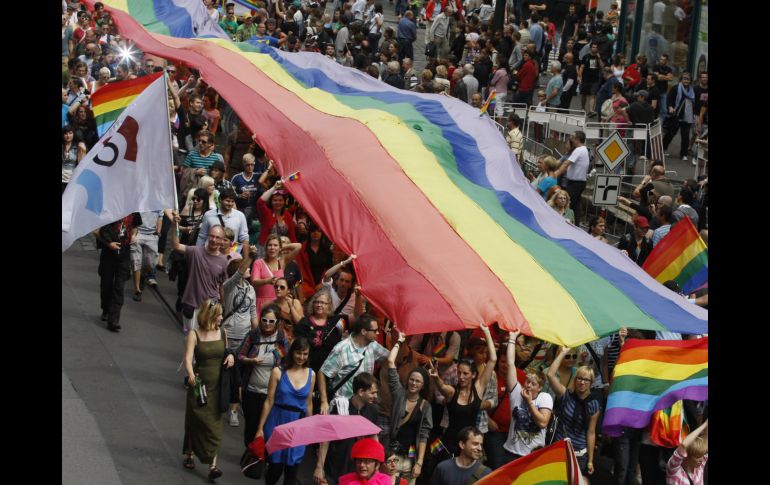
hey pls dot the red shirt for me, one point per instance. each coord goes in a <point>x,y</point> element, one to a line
<point>527,76</point>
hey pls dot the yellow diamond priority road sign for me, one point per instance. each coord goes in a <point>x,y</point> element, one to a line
<point>612,151</point>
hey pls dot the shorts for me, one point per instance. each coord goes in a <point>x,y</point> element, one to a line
<point>589,88</point>
<point>144,249</point>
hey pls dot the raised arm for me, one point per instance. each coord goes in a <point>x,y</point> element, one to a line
<point>290,252</point>
<point>269,192</point>
<point>178,247</point>
<point>446,390</point>
<point>510,352</point>
<point>394,351</point>
<point>334,269</point>
<point>556,385</point>
<point>690,439</point>
<point>489,369</point>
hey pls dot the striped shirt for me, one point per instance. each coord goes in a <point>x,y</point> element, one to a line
<point>676,475</point>
<point>573,421</point>
<point>660,233</point>
<point>196,160</point>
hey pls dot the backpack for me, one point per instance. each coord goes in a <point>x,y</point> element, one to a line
<point>243,370</point>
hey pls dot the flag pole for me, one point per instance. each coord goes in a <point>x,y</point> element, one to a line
<point>171,149</point>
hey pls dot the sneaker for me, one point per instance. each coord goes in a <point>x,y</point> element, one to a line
<point>104,316</point>
<point>684,158</point>
<point>115,327</point>
<point>234,418</point>
<point>152,282</point>
<point>138,296</point>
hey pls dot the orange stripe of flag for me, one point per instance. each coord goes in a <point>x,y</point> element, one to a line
<point>670,247</point>
<point>122,89</point>
<point>664,354</point>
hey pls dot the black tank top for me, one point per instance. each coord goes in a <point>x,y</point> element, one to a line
<point>460,416</point>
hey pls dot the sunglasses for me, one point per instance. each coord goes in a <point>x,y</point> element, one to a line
<point>196,199</point>
<point>269,321</point>
<point>570,356</point>
<point>280,287</point>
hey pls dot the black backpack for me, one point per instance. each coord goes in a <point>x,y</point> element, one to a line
<point>242,369</point>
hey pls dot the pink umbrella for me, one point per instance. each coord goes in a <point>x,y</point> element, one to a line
<point>318,429</point>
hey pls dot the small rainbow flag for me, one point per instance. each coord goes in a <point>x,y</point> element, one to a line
<point>668,427</point>
<point>111,100</point>
<point>437,446</point>
<point>490,100</point>
<point>294,177</point>
<point>412,452</point>
<point>279,352</point>
<point>681,256</point>
<point>252,4</point>
<point>439,348</point>
<point>236,248</point>
<point>652,375</point>
<point>552,465</point>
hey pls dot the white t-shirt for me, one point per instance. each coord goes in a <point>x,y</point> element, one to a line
<point>524,434</point>
<point>579,169</point>
<point>658,8</point>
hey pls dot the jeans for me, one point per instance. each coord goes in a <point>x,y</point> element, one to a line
<point>662,105</point>
<point>684,130</point>
<point>497,456</point>
<point>625,449</point>
<point>652,460</point>
<point>401,7</point>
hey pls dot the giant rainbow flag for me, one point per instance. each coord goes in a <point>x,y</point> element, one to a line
<point>108,102</point>
<point>652,375</point>
<point>553,465</point>
<point>447,230</point>
<point>681,256</point>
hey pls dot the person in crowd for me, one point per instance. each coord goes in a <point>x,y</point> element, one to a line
<point>466,466</point>
<point>590,78</point>
<point>353,355</point>
<point>334,457</point>
<point>514,137</point>
<point>257,356</point>
<point>345,298</point>
<point>206,346</point>
<point>199,161</point>
<point>578,412</point>
<point>665,217</point>
<point>565,372</point>
<point>411,415</point>
<point>144,250</point>
<point>206,270</point>
<point>240,313</point>
<point>246,188</point>
<point>266,271</point>
<point>289,397</point>
<point>368,454</point>
<point>291,308</point>
<point>560,202</point>
<point>72,152</point>
<point>637,244</point>
<point>115,240</point>
<point>555,85</point>
<point>226,216</point>
<point>500,419</point>
<point>596,226</point>
<point>321,328</point>
<point>85,126</point>
<point>277,218</point>
<point>527,77</point>
<point>531,408</point>
<point>464,400</point>
<point>548,166</point>
<point>683,207</point>
<point>391,467</point>
<point>576,168</point>
<point>688,462</point>
<point>681,114</point>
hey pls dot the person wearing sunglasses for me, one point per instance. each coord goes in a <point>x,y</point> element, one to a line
<point>291,308</point>
<point>463,400</point>
<point>199,160</point>
<point>257,358</point>
<point>530,407</point>
<point>266,271</point>
<point>578,411</point>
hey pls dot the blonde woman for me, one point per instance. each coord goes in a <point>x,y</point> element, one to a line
<point>578,412</point>
<point>266,271</point>
<point>203,424</point>
<point>559,201</point>
<point>441,81</point>
<point>206,183</point>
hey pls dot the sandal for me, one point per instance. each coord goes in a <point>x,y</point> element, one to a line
<point>189,462</point>
<point>214,473</point>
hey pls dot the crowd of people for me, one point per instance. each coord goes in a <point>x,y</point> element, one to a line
<point>276,327</point>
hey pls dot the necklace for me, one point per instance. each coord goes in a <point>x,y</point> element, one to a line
<point>415,400</point>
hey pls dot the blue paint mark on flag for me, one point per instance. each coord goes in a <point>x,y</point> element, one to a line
<point>93,185</point>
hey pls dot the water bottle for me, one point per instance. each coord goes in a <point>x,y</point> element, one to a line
<point>200,392</point>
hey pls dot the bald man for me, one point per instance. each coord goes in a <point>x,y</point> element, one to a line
<point>206,271</point>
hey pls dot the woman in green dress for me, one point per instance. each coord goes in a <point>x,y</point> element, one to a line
<point>203,426</point>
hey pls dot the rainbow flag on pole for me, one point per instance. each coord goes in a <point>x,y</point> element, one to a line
<point>279,352</point>
<point>668,427</point>
<point>681,256</point>
<point>552,465</point>
<point>437,446</point>
<point>490,99</point>
<point>652,375</point>
<point>111,100</point>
